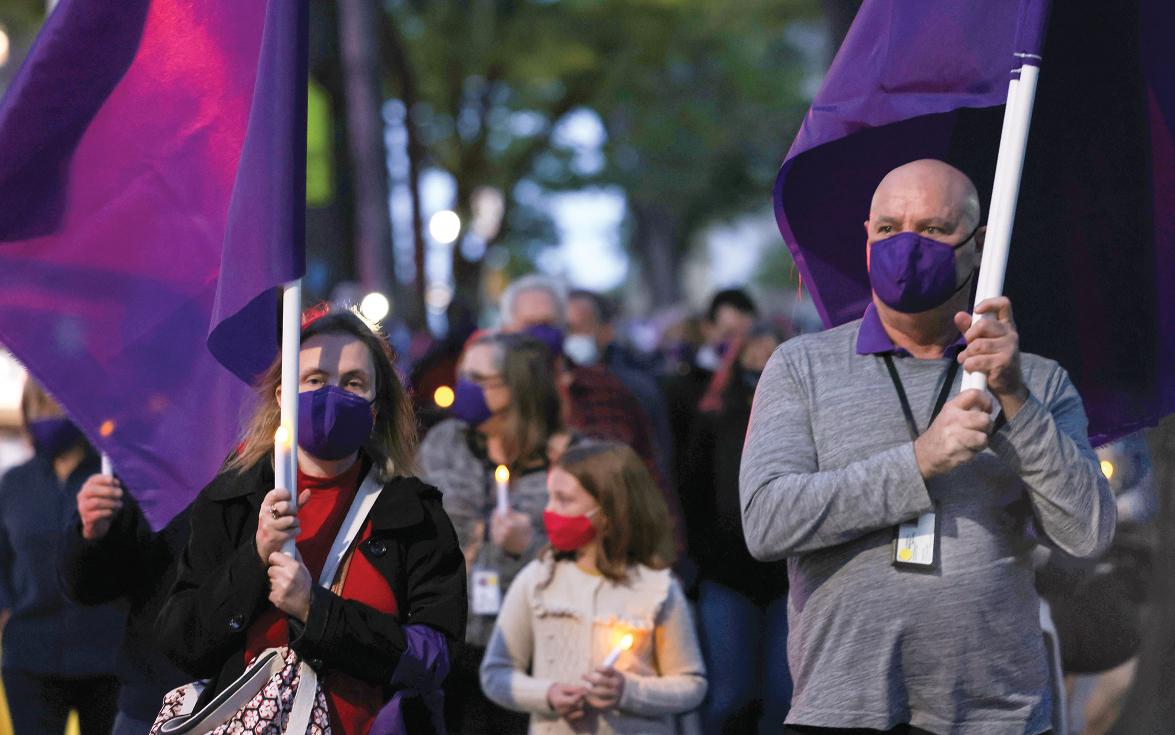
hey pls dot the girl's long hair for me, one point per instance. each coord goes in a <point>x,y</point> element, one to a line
<point>636,527</point>
<point>533,415</point>
<point>393,440</point>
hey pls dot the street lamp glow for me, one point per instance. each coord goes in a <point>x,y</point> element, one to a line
<point>444,226</point>
<point>444,396</point>
<point>375,306</point>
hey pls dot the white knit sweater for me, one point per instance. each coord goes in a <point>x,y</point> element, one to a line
<point>557,631</point>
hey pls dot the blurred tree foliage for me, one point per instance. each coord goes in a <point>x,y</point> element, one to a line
<point>21,19</point>
<point>699,100</point>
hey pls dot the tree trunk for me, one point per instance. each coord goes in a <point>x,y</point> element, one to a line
<point>330,226</point>
<point>373,229</point>
<point>1150,707</point>
<point>415,158</point>
<point>466,273</point>
<point>655,241</point>
<point>398,64</point>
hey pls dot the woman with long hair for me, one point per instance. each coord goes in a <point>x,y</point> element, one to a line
<point>237,595</point>
<point>506,413</point>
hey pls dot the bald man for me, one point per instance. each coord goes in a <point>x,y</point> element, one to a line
<point>907,511</point>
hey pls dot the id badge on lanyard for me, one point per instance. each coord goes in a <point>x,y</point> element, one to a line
<point>486,592</point>
<point>916,542</point>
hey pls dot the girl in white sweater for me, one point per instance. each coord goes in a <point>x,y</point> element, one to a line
<point>605,582</point>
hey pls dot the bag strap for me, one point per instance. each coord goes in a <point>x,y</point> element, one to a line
<point>365,498</point>
<point>338,560</point>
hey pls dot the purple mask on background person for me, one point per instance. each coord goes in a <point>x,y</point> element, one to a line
<point>52,436</point>
<point>469,403</point>
<point>550,336</point>
<point>911,273</point>
<point>333,423</point>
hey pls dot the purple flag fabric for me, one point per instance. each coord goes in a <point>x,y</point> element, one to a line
<point>152,169</point>
<point>1090,272</point>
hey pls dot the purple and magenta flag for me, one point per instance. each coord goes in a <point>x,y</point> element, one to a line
<point>152,174</point>
<point>1091,272</point>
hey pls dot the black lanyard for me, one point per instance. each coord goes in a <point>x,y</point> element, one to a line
<point>949,374</point>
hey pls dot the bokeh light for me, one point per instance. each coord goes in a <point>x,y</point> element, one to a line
<point>444,396</point>
<point>375,306</point>
<point>444,226</point>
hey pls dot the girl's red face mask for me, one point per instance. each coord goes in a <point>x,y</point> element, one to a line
<point>569,533</point>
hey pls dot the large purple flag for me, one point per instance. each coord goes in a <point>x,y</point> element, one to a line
<point>152,158</point>
<point>1092,266</point>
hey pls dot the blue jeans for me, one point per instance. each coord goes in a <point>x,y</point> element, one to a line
<point>745,649</point>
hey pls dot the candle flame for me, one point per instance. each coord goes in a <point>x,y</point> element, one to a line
<point>281,437</point>
<point>626,642</point>
<point>1108,469</point>
<point>502,474</point>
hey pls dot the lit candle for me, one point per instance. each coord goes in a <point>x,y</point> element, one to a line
<point>624,644</point>
<point>502,478</point>
<point>282,473</point>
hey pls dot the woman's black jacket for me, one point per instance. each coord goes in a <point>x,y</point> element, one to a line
<point>222,586</point>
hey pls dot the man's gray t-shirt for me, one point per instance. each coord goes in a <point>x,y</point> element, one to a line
<point>829,472</point>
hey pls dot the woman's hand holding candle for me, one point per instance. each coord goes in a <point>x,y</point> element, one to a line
<point>512,531</point>
<point>277,522</point>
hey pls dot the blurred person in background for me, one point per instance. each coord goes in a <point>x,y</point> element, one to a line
<point>109,554</point>
<point>437,367</point>
<point>679,339</point>
<point>728,318</point>
<point>1099,607</point>
<point>605,577</point>
<point>591,340</point>
<point>57,656</point>
<point>595,402</point>
<point>741,602</point>
<point>505,412</point>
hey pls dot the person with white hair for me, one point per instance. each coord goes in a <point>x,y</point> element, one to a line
<point>595,402</point>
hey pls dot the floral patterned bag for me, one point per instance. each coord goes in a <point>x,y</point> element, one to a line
<point>268,699</point>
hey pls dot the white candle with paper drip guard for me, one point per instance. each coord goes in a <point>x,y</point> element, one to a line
<point>502,480</point>
<point>486,596</point>
<point>624,644</point>
<point>283,474</point>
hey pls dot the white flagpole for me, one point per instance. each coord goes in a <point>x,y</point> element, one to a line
<point>1005,191</point>
<point>285,448</point>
